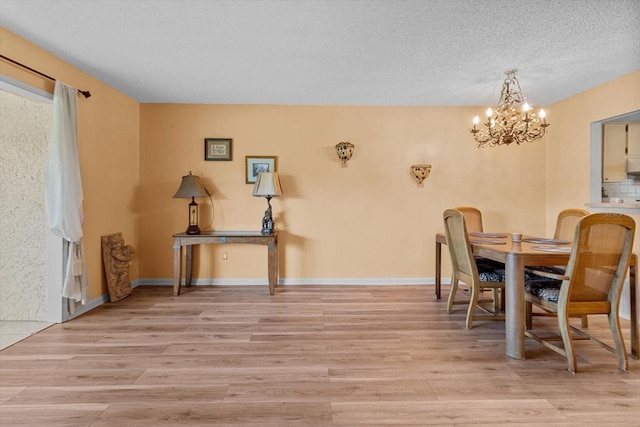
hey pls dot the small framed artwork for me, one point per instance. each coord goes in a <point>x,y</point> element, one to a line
<point>257,164</point>
<point>217,148</point>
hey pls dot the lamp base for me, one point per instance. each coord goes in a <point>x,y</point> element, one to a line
<point>193,218</point>
<point>267,221</point>
<point>193,229</point>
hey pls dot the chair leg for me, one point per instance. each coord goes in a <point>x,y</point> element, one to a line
<point>584,320</point>
<point>528,315</point>
<point>565,333</point>
<point>621,351</point>
<point>473,304</point>
<point>453,289</point>
<point>495,294</point>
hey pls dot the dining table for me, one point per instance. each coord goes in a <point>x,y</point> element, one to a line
<point>531,251</point>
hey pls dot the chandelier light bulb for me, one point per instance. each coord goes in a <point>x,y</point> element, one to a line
<point>476,120</point>
<point>526,107</point>
<point>489,112</point>
<point>542,114</point>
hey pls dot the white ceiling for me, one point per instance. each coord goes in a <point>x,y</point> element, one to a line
<point>349,52</point>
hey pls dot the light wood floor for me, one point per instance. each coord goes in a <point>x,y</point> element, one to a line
<point>307,356</point>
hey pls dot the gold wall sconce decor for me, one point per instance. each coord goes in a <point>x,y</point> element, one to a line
<point>344,150</point>
<point>420,172</point>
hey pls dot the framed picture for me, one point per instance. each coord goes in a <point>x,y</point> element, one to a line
<point>257,164</point>
<point>217,148</point>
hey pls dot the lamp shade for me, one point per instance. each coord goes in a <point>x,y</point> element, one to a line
<point>267,185</point>
<point>191,186</point>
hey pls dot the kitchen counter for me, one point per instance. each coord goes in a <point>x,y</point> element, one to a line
<point>614,207</point>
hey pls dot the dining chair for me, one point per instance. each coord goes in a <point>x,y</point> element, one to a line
<point>566,223</point>
<point>472,217</point>
<point>591,285</point>
<point>474,273</point>
<point>473,220</point>
<point>565,230</point>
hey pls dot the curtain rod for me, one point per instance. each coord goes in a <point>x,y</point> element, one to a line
<point>84,93</point>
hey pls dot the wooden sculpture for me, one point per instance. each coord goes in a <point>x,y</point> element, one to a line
<point>117,256</point>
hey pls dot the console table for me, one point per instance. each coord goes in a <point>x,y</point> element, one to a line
<point>207,237</point>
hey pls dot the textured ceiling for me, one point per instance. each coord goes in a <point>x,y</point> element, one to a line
<point>350,52</point>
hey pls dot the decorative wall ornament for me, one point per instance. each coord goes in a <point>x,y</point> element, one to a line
<point>420,172</point>
<point>345,151</point>
<point>508,123</point>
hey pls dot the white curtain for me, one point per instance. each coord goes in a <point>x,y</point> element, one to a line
<point>63,189</point>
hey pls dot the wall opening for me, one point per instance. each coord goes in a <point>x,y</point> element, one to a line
<point>31,261</point>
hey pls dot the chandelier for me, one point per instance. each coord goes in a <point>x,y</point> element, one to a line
<point>512,121</point>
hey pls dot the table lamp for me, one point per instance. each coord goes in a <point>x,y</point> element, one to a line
<point>267,185</point>
<point>191,187</point>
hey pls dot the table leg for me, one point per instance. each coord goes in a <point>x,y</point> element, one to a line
<point>438,270</point>
<point>514,310</point>
<point>273,266</point>
<point>188,265</point>
<point>633,306</point>
<point>177,263</point>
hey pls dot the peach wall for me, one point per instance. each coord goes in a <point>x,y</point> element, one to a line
<point>368,220</point>
<point>109,150</point>
<point>568,142</point>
